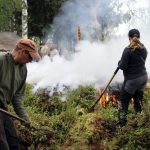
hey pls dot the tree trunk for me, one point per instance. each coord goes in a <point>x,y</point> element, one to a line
<point>24,19</point>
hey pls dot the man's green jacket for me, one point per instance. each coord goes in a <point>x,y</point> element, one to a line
<point>12,84</point>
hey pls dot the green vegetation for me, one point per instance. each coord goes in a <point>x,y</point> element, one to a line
<point>11,13</point>
<point>40,22</point>
<point>76,129</point>
<point>8,14</point>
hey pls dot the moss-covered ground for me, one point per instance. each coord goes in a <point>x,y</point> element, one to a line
<point>76,129</point>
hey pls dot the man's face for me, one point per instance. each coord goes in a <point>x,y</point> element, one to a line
<point>24,57</point>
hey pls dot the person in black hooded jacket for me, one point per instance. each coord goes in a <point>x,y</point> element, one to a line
<point>135,76</point>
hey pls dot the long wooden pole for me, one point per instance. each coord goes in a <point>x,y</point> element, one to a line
<point>43,131</point>
<point>92,108</point>
<point>13,116</point>
<point>78,34</point>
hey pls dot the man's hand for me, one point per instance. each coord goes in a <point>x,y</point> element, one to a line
<point>27,121</point>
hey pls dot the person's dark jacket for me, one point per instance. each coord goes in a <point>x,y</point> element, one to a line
<point>133,63</point>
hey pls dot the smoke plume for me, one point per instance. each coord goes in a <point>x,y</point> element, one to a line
<point>96,58</point>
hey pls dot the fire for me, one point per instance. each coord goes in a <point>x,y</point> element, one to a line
<point>108,99</point>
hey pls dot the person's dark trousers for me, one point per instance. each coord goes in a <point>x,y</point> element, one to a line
<point>125,98</point>
<point>8,134</point>
<point>138,98</point>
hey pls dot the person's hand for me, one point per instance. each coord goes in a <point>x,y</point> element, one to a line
<point>119,63</point>
<point>27,121</point>
<point>26,118</point>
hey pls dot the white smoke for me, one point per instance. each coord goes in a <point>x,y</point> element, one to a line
<point>96,18</point>
<point>93,17</point>
<point>95,62</point>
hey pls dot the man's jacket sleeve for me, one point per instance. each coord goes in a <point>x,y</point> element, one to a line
<point>18,100</point>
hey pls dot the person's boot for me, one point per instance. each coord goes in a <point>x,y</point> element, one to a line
<point>122,116</point>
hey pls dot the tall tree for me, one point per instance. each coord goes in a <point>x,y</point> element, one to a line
<point>24,19</point>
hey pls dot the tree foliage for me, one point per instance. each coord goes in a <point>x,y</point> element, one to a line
<point>8,14</point>
<point>41,14</point>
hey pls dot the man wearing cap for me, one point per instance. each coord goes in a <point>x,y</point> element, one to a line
<point>13,73</point>
<point>135,76</point>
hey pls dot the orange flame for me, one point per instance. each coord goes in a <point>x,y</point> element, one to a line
<point>107,99</point>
